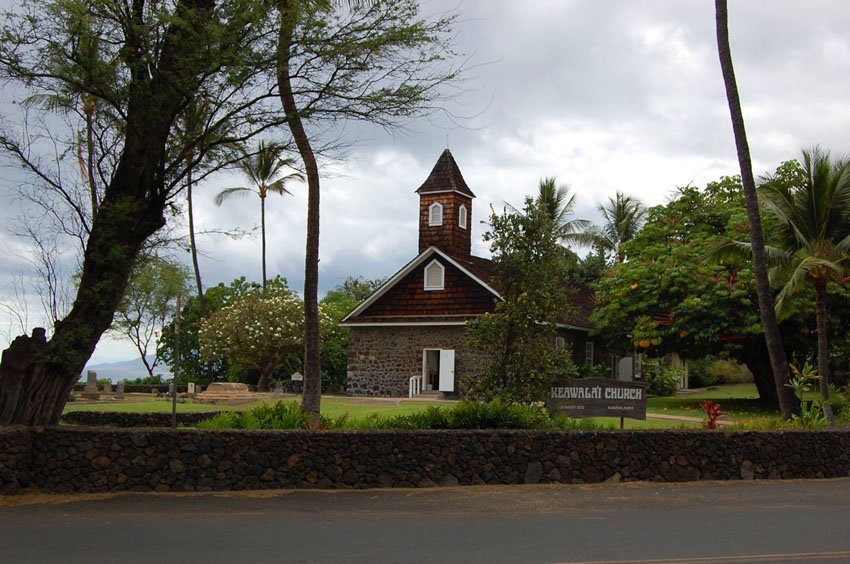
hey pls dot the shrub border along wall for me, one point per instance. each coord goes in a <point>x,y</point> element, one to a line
<point>57,459</point>
<point>119,419</point>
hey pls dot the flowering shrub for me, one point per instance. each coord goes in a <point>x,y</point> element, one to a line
<point>259,332</point>
<point>712,413</point>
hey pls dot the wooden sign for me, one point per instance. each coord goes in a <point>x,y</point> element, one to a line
<point>598,397</point>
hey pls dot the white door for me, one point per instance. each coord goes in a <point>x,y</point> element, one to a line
<point>624,368</point>
<point>447,371</point>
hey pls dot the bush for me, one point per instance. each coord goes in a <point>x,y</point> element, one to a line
<point>711,371</point>
<point>279,415</point>
<point>665,381</point>
<point>467,414</point>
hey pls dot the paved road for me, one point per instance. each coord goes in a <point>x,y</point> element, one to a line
<point>783,521</point>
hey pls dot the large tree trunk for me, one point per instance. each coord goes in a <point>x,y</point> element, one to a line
<point>312,395</point>
<point>823,349</point>
<point>756,358</point>
<point>788,402</point>
<point>36,375</point>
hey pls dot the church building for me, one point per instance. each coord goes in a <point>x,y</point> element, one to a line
<point>409,336</point>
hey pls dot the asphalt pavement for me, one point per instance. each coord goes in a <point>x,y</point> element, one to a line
<point>762,521</point>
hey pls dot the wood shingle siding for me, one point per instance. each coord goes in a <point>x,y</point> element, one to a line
<point>462,296</point>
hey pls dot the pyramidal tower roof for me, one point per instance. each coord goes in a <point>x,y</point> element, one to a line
<point>445,177</point>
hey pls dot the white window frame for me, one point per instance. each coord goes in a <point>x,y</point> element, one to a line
<point>588,352</point>
<point>442,284</point>
<point>462,215</point>
<point>433,210</point>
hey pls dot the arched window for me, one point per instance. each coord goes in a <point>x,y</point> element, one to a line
<point>435,276</point>
<point>461,216</point>
<point>435,214</point>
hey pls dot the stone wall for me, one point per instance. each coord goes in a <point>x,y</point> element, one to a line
<point>59,459</point>
<point>381,360</point>
<point>15,459</point>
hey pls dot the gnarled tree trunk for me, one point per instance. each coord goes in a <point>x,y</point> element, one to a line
<point>36,375</point>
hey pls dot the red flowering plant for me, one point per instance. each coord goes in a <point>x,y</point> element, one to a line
<point>712,413</point>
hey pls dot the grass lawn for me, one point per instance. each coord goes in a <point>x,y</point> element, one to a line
<point>332,406</point>
<point>158,405</point>
<point>736,400</point>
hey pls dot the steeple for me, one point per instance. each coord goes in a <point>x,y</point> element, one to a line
<point>445,209</point>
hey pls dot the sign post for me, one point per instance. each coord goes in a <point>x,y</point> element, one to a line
<point>598,397</point>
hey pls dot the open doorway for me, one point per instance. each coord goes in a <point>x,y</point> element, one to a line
<point>438,370</point>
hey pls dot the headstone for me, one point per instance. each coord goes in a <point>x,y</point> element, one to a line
<point>90,391</point>
<point>91,381</point>
<point>107,388</point>
<point>119,390</point>
<point>297,379</point>
<point>191,388</point>
<point>278,388</point>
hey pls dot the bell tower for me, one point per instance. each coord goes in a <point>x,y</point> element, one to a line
<point>445,210</point>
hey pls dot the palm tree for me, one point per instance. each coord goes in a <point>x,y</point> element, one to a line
<point>263,169</point>
<point>812,232</point>
<point>559,204</point>
<point>623,219</point>
<point>781,374</point>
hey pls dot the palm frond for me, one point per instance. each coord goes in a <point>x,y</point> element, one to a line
<point>228,193</point>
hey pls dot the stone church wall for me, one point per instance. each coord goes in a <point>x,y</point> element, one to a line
<point>381,360</point>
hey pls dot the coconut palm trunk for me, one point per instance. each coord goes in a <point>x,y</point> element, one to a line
<point>312,395</point>
<point>823,347</point>
<point>263,237</point>
<point>788,402</point>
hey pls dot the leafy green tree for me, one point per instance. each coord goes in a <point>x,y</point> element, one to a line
<point>261,331</point>
<point>788,403</point>
<point>520,336</point>
<point>148,303</point>
<point>263,168</point>
<point>378,62</point>
<point>192,368</point>
<point>152,60</point>
<point>336,304</point>
<point>668,298</point>
<point>811,231</point>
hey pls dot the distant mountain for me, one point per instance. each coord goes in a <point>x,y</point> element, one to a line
<point>126,370</point>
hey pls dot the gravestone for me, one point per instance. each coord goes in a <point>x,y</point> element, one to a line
<point>297,381</point>
<point>278,388</point>
<point>191,388</point>
<point>119,390</point>
<point>90,391</point>
<point>91,381</point>
<point>107,388</point>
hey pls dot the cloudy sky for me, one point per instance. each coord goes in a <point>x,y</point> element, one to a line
<point>606,96</point>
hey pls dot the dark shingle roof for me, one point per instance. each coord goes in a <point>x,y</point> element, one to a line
<point>445,177</point>
<point>582,298</point>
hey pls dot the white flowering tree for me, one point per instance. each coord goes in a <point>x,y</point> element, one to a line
<point>260,331</point>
